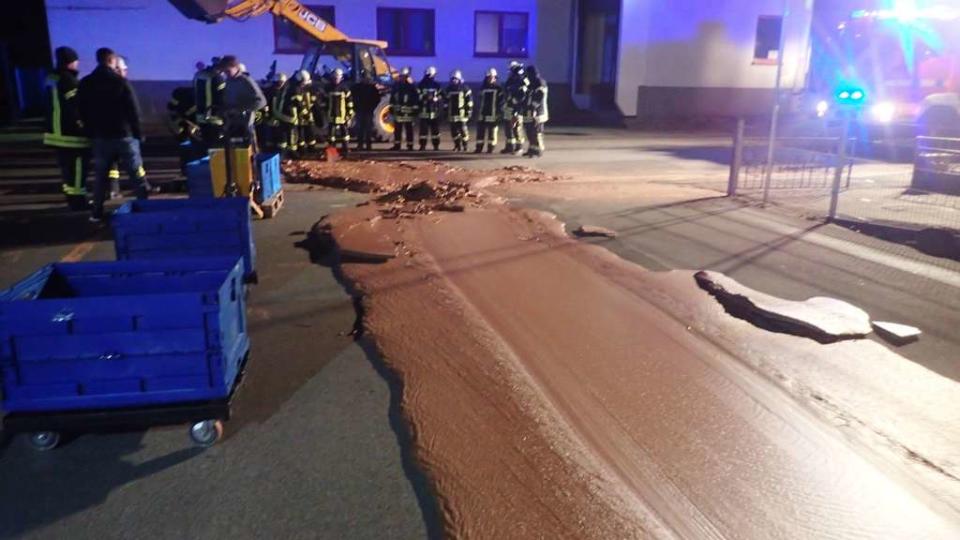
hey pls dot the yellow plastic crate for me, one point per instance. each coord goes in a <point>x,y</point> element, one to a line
<point>242,170</point>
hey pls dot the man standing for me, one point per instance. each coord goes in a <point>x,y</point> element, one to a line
<point>286,111</point>
<point>242,98</point>
<point>515,94</point>
<point>430,104</point>
<point>339,111</point>
<point>208,87</point>
<point>535,114</point>
<point>459,100</point>
<point>366,98</point>
<point>405,103</point>
<point>111,116</point>
<point>64,129</point>
<point>491,110</point>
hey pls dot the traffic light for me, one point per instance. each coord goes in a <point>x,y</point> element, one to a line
<point>851,97</point>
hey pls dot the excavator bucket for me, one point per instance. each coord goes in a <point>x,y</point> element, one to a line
<point>209,11</point>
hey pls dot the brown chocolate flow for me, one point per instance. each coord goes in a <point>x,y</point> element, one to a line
<point>556,391</point>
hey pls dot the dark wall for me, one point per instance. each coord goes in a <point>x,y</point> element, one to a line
<point>24,58</point>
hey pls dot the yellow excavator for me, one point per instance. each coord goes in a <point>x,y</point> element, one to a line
<point>354,56</point>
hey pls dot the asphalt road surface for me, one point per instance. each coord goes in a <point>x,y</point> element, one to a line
<point>316,449</point>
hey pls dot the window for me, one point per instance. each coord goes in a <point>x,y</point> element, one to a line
<point>500,34</point>
<point>409,32</point>
<point>288,39</point>
<point>767,49</point>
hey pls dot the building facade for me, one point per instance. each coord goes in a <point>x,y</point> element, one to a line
<point>636,58</point>
<point>162,46</point>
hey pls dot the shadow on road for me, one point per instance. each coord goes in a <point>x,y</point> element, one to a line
<point>39,489</point>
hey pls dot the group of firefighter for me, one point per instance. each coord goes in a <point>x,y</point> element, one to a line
<point>303,114</point>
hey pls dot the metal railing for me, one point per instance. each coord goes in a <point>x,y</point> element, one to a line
<point>936,166</point>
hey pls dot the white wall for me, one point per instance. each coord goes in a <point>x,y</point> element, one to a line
<point>162,45</point>
<point>705,44</point>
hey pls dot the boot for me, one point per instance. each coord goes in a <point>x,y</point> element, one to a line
<point>518,150</point>
<point>423,147</point>
<point>410,147</point>
<point>396,147</point>
<point>489,148</point>
<point>508,149</point>
<point>479,149</point>
<point>436,146</point>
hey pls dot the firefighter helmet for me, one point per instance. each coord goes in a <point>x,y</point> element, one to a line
<point>430,72</point>
<point>456,75</point>
<point>492,73</point>
<point>303,76</point>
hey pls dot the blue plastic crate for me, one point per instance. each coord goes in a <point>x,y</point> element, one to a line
<point>163,228</point>
<point>122,334</point>
<point>199,179</point>
<point>268,169</point>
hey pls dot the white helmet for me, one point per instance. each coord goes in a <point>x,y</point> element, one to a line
<point>492,72</point>
<point>455,74</point>
<point>405,71</point>
<point>242,67</point>
<point>303,76</point>
<point>430,72</point>
<point>280,77</point>
<point>338,73</point>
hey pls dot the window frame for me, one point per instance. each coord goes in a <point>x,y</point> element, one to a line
<point>500,52</point>
<point>279,22</point>
<point>756,41</point>
<point>394,51</point>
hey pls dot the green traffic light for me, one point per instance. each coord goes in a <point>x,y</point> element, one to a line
<point>851,96</point>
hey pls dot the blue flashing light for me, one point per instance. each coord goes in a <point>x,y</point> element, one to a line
<point>851,96</point>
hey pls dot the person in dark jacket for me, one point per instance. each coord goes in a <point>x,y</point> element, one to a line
<point>64,129</point>
<point>111,117</point>
<point>242,99</point>
<point>535,112</point>
<point>366,98</point>
<point>431,105</point>
<point>490,112</point>
<point>405,103</point>
<point>459,100</point>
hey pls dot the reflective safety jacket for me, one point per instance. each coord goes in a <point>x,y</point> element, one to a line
<point>208,87</point>
<point>181,112</point>
<point>309,106</point>
<point>491,102</point>
<point>430,98</point>
<point>405,102</point>
<point>288,103</point>
<point>535,107</point>
<point>64,129</point>
<point>338,103</point>
<point>515,91</point>
<point>459,100</point>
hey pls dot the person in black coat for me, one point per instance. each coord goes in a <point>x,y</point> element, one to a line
<point>366,99</point>
<point>111,117</point>
<point>64,130</point>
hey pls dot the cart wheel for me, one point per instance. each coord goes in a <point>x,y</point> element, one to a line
<point>44,440</point>
<point>206,433</point>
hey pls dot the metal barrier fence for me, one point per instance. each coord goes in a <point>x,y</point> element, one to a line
<point>802,173</point>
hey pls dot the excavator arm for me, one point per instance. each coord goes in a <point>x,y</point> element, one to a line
<point>213,11</point>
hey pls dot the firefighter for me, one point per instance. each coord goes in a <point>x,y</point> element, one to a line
<point>286,112</point>
<point>405,103</point>
<point>431,103</point>
<point>535,112</point>
<point>64,129</point>
<point>459,104</point>
<point>267,125</point>
<point>366,99</point>
<point>338,106</point>
<point>310,115</point>
<point>515,96</point>
<point>491,112</point>
<point>208,86</point>
<point>181,113</point>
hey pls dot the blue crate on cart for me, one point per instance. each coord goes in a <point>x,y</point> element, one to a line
<point>199,178</point>
<point>158,229</point>
<point>268,170</point>
<point>102,335</point>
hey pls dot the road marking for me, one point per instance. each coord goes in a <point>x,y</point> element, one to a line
<point>78,252</point>
<point>935,273</point>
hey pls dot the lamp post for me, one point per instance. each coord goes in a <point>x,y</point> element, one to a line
<point>775,116</point>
